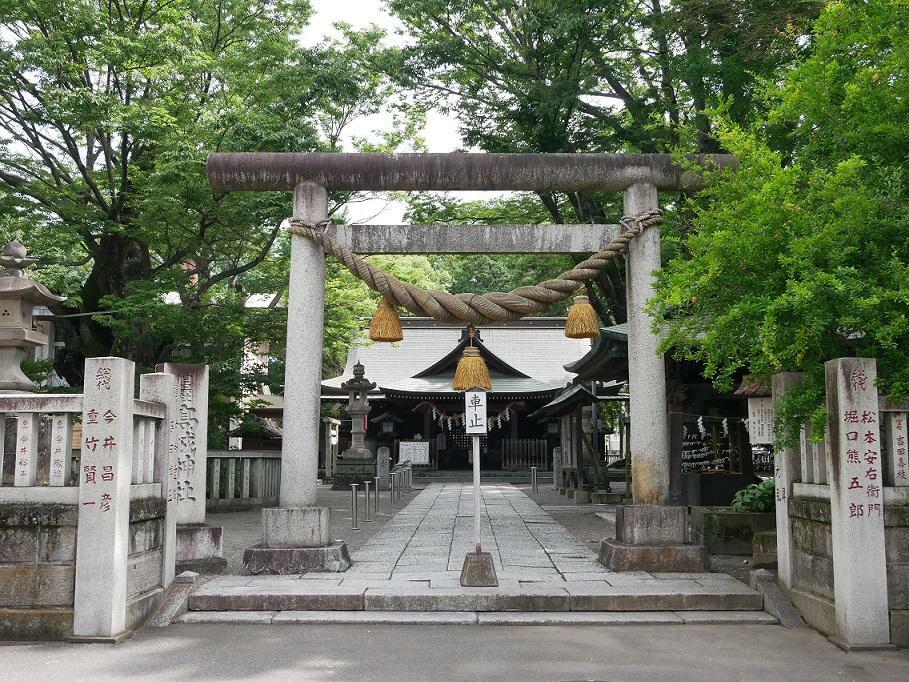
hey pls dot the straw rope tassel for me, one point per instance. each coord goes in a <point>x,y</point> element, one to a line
<point>385,325</point>
<point>472,372</point>
<point>582,320</point>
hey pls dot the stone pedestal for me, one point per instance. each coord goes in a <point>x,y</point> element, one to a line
<point>478,570</point>
<point>200,548</point>
<point>353,470</point>
<point>296,540</point>
<point>652,538</point>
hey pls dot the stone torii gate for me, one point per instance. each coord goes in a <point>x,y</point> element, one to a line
<point>297,534</point>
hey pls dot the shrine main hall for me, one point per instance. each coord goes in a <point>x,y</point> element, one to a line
<point>414,409</point>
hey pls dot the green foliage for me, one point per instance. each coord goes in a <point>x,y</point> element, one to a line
<point>757,497</point>
<point>802,255</point>
<point>587,76</point>
<point>107,113</point>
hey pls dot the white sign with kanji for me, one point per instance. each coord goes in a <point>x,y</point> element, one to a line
<point>475,412</point>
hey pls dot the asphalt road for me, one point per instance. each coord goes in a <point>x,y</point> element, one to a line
<point>441,652</point>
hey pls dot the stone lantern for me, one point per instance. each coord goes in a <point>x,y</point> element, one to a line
<point>18,336</point>
<point>356,464</point>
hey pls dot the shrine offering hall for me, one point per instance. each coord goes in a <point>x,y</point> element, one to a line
<point>415,413</point>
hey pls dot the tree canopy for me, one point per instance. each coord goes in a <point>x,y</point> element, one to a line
<point>802,255</point>
<point>595,76</point>
<point>107,113</point>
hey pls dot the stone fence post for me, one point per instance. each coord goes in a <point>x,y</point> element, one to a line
<point>161,388</point>
<point>786,471</point>
<point>105,472</point>
<point>856,504</point>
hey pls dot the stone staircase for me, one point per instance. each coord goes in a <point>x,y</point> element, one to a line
<point>426,476</point>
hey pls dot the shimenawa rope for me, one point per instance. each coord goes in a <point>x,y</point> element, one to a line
<point>477,308</point>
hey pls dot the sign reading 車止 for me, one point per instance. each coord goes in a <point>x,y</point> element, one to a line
<point>475,412</point>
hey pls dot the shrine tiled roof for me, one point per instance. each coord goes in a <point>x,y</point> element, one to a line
<point>535,347</point>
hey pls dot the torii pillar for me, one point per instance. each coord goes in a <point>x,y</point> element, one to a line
<point>651,535</point>
<point>296,536</point>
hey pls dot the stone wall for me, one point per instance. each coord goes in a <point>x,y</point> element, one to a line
<point>813,565</point>
<point>144,563</point>
<point>37,570</point>
<point>812,562</point>
<point>896,539</point>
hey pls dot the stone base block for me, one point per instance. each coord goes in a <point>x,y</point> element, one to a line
<point>899,627</point>
<point>651,525</point>
<point>603,497</point>
<point>35,624</point>
<point>200,548</point>
<point>296,527</point>
<point>353,470</point>
<point>581,497</point>
<point>619,556</point>
<point>261,560</point>
<point>478,570</point>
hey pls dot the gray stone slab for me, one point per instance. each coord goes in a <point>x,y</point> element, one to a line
<point>465,599</point>
<point>730,617</point>
<point>244,617</point>
<point>377,617</point>
<point>580,618</point>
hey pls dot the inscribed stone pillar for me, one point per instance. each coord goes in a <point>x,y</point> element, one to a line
<point>60,446</point>
<point>383,455</point>
<point>786,470</point>
<point>303,372</point>
<point>26,449</point>
<point>897,460</point>
<point>191,441</point>
<point>856,503</point>
<point>646,371</point>
<point>104,478</point>
<point>162,388</point>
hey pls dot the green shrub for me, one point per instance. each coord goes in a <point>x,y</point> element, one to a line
<point>757,497</point>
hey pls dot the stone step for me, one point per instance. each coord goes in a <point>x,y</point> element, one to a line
<point>479,618</point>
<point>269,594</point>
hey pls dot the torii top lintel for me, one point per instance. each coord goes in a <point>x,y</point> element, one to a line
<point>282,171</point>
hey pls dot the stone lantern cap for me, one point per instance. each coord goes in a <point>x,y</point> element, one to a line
<point>14,284</point>
<point>359,382</point>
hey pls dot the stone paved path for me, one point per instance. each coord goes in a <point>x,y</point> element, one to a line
<point>428,540</point>
<point>413,565</point>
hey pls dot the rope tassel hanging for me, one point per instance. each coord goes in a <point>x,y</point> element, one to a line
<point>472,372</point>
<point>385,325</point>
<point>582,322</point>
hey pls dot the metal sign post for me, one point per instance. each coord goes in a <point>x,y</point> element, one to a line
<point>475,420</point>
<point>478,569</point>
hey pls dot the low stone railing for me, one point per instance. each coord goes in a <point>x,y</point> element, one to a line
<point>243,479</point>
<point>88,539</point>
